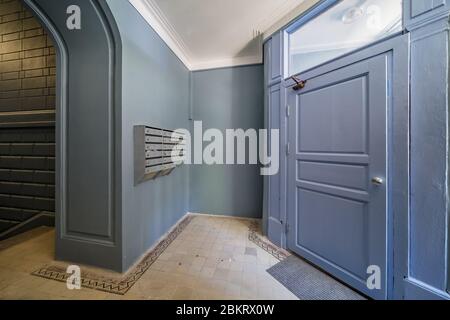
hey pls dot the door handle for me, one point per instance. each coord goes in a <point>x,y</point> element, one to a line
<point>377,181</point>
<point>300,84</point>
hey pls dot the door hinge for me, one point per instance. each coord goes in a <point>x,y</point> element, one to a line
<point>286,228</point>
<point>288,148</point>
<point>288,111</point>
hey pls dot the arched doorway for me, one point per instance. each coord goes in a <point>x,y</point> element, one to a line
<point>87,127</point>
<point>27,121</point>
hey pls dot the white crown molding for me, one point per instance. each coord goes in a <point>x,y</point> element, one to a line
<point>155,18</point>
<point>226,62</point>
<point>288,17</point>
<point>283,9</point>
<point>150,11</point>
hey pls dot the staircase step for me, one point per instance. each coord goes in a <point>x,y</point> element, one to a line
<point>27,149</point>
<point>27,118</point>
<point>27,170</point>
<point>13,228</point>
<point>25,202</point>
<point>27,176</point>
<point>5,225</point>
<point>27,163</point>
<point>31,135</point>
<point>15,214</point>
<point>27,189</point>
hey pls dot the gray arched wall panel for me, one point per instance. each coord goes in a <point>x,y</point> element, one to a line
<point>88,132</point>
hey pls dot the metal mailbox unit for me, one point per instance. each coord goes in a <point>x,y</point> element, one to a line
<point>157,152</point>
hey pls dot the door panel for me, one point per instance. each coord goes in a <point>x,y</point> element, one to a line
<point>338,216</point>
<point>339,175</point>
<point>275,228</point>
<point>332,119</point>
<point>276,56</point>
<point>328,216</point>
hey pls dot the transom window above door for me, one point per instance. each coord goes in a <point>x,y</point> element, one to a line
<point>343,27</point>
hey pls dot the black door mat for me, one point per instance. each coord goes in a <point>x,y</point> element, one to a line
<point>309,283</point>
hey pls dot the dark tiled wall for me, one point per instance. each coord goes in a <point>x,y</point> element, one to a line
<point>27,113</point>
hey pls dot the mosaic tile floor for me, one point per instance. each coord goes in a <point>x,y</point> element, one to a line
<point>212,258</point>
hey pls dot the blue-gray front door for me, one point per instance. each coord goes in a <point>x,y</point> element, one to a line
<point>337,210</point>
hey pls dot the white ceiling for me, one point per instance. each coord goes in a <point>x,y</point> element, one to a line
<point>216,33</point>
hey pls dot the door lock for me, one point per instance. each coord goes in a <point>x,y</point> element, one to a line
<point>377,181</point>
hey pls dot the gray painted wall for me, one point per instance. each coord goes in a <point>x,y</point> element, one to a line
<point>425,231</point>
<point>156,93</point>
<point>102,218</point>
<point>225,99</point>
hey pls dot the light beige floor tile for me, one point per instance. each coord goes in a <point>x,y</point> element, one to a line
<point>211,259</point>
<point>183,293</point>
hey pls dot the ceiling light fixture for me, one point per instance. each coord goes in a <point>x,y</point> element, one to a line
<point>352,15</point>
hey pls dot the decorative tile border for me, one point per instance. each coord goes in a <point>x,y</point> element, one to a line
<point>119,285</point>
<point>122,284</point>
<point>255,236</point>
